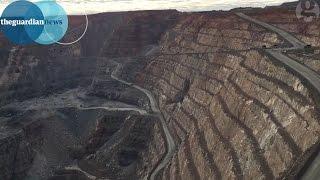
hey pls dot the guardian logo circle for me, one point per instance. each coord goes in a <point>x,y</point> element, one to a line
<point>308,10</point>
<point>43,22</point>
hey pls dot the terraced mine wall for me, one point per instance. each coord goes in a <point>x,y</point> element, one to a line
<point>307,32</point>
<point>242,116</point>
<point>285,19</point>
<point>233,112</point>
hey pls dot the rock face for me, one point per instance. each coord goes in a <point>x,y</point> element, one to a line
<point>53,98</point>
<point>120,34</point>
<point>234,113</point>
<point>139,30</point>
<point>17,153</point>
<point>307,32</point>
<point>243,117</point>
<point>27,75</point>
<point>126,154</point>
<point>213,32</point>
<point>41,70</point>
<point>285,19</point>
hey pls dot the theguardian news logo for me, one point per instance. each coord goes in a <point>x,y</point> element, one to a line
<point>33,22</point>
<point>43,22</point>
<point>29,22</point>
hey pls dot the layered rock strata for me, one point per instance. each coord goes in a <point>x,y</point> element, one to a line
<point>241,110</point>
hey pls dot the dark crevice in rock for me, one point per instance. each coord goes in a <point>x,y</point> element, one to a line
<point>277,82</point>
<point>179,97</point>
<point>208,156</point>
<point>295,149</point>
<point>257,151</point>
<point>226,143</point>
<point>190,165</point>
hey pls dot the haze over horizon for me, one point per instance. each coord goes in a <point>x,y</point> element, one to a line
<point>98,6</point>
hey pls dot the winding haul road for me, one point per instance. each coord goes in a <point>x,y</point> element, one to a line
<point>313,172</point>
<point>77,168</point>
<point>156,111</point>
<point>140,111</point>
<point>312,77</point>
<point>297,44</point>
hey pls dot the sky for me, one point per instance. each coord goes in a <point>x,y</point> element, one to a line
<point>96,6</point>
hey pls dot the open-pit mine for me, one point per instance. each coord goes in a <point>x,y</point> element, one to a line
<point>165,95</point>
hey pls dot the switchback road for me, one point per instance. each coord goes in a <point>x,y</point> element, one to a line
<point>156,111</point>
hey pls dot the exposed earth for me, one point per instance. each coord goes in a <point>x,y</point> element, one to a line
<point>165,95</point>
